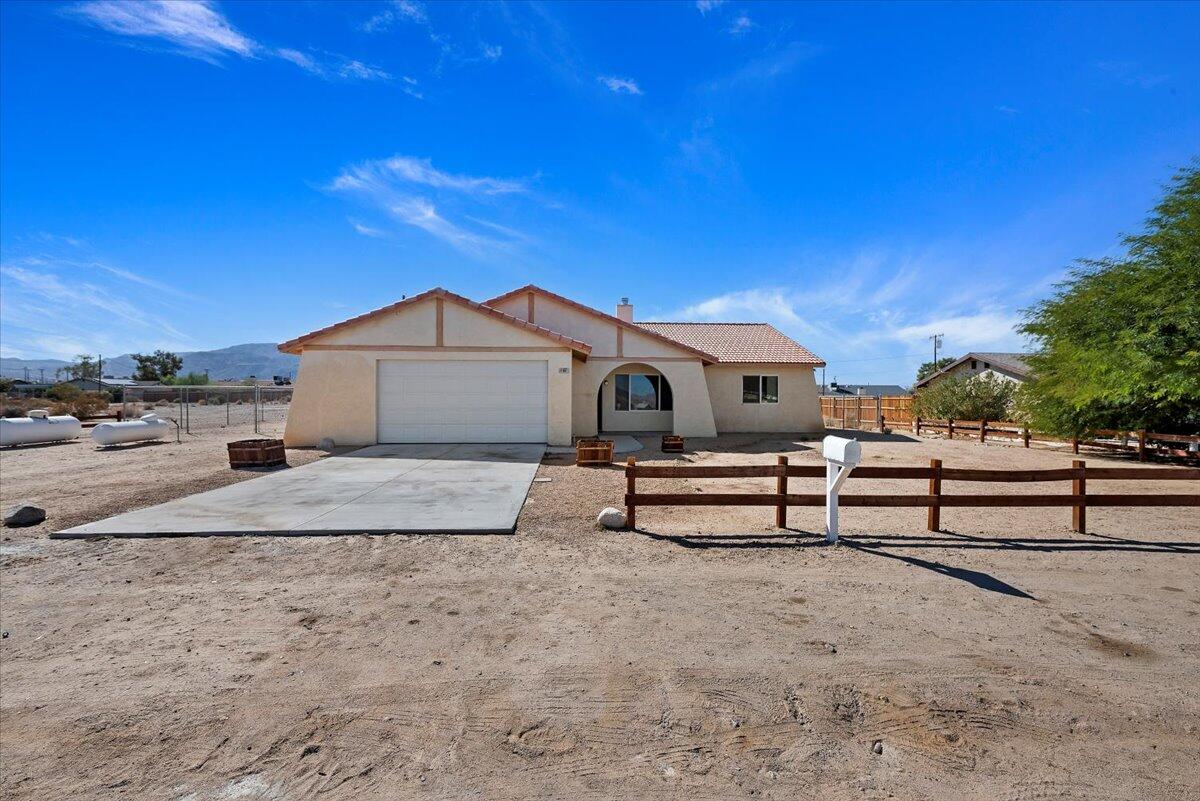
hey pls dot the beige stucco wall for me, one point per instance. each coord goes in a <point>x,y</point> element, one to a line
<point>335,390</point>
<point>964,371</point>
<point>798,410</point>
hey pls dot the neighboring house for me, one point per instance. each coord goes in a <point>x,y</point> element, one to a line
<point>533,366</point>
<point>1006,365</point>
<point>872,390</point>
<point>106,384</point>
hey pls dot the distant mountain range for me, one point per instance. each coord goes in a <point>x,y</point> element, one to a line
<point>259,359</point>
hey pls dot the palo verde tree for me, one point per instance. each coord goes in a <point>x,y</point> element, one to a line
<point>157,366</point>
<point>1119,341</point>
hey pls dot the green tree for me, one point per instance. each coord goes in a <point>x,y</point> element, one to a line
<point>84,366</point>
<point>929,368</point>
<point>157,366</point>
<point>192,379</point>
<point>980,397</point>
<point>1119,341</point>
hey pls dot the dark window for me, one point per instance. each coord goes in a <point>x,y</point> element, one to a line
<point>770,389</point>
<point>972,364</point>
<point>760,389</point>
<point>750,389</point>
<point>640,393</point>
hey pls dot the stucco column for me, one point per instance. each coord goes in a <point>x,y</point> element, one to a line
<point>693,407</point>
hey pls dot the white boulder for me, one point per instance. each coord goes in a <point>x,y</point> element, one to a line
<point>611,517</point>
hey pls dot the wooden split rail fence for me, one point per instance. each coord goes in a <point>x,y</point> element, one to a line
<point>1079,500</point>
<point>1142,442</point>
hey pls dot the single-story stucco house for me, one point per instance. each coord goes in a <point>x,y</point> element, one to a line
<point>533,366</point>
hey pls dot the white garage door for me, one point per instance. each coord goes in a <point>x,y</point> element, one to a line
<point>462,401</point>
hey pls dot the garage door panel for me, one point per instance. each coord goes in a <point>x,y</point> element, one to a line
<point>462,401</point>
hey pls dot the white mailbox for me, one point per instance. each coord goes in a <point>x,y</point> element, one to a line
<point>846,452</point>
<point>841,456</point>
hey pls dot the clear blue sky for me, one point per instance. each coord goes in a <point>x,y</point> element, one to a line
<point>199,175</point>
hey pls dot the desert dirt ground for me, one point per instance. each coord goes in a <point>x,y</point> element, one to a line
<point>707,655</point>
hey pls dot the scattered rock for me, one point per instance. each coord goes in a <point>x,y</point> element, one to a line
<point>327,444</point>
<point>542,480</point>
<point>23,514</point>
<point>611,518</point>
<point>878,747</point>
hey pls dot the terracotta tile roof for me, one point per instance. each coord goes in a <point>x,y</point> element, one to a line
<point>581,348</point>
<point>737,342</point>
<point>701,352</point>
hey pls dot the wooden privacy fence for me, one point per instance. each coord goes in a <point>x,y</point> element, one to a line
<point>935,500</point>
<point>1141,442</point>
<point>870,411</point>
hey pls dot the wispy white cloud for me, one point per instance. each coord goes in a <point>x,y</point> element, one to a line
<point>1131,73</point>
<point>406,169</point>
<point>195,27</point>
<point>396,11</point>
<point>61,307</point>
<point>366,230</point>
<point>705,6</point>
<point>1008,110</point>
<point>413,192</point>
<point>619,85</point>
<point>198,29</point>
<point>491,52</point>
<point>741,24</point>
<point>763,70</point>
<point>749,305</point>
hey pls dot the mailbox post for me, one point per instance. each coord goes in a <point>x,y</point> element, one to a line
<point>841,456</point>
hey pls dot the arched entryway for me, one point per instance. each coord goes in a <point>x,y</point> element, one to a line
<point>635,397</point>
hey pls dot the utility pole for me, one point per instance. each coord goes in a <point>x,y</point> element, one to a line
<point>937,343</point>
<point>822,380</point>
<point>42,373</point>
<point>99,371</point>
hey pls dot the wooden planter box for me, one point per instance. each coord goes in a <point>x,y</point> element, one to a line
<point>593,452</point>
<point>672,444</point>
<point>257,453</point>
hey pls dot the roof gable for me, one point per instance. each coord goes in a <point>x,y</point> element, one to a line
<point>1007,362</point>
<point>616,321</point>
<point>296,345</point>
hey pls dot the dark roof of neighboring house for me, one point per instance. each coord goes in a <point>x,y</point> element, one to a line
<point>747,343</point>
<point>1008,362</point>
<point>865,389</point>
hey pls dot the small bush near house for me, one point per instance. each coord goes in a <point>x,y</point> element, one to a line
<point>985,397</point>
<point>64,392</point>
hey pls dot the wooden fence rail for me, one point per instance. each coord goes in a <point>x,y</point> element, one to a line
<point>1078,474</point>
<point>1142,442</point>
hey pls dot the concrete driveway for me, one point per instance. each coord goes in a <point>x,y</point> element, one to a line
<point>382,489</point>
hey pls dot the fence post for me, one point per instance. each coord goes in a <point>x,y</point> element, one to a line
<point>1075,445</point>
<point>1079,490</point>
<point>934,517</point>
<point>843,412</point>
<point>1142,445</point>
<point>1025,435</point>
<point>983,430</point>
<point>950,428</point>
<point>781,483</point>
<point>917,426</point>
<point>630,489</point>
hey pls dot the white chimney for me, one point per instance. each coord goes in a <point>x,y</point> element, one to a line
<point>625,310</point>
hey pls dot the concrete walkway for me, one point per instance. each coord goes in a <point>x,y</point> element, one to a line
<point>622,443</point>
<point>383,489</point>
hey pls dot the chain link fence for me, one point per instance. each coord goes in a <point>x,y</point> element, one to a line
<point>199,409</point>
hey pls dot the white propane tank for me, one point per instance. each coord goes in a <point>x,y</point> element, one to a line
<point>39,426</point>
<point>148,426</point>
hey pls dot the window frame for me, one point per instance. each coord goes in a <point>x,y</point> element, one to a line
<point>656,379</point>
<point>761,401</point>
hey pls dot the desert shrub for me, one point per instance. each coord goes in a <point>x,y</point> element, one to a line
<point>982,397</point>
<point>64,392</point>
<point>88,404</point>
